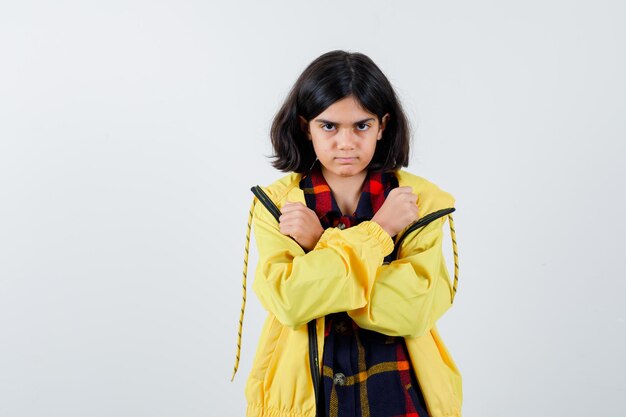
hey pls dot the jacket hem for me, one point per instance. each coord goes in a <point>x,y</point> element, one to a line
<point>261,411</point>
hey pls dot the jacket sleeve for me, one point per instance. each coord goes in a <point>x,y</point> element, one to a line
<point>335,276</point>
<point>410,293</point>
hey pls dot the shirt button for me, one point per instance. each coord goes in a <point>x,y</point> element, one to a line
<point>341,226</point>
<point>339,379</point>
<point>341,327</point>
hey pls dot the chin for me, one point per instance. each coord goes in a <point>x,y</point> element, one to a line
<point>349,171</point>
<point>344,170</point>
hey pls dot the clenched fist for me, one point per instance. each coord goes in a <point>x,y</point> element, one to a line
<point>398,211</point>
<point>301,223</point>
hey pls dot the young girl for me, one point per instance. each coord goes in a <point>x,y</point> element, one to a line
<point>350,268</point>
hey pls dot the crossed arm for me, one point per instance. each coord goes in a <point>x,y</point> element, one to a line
<point>345,272</point>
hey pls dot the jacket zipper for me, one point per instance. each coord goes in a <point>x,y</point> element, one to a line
<point>416,225</point>
<point>314,360</point>
<point>267,202</point>
<point>313,352</point>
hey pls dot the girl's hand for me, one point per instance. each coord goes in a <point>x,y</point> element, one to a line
<point>398,211</point>
<point>301,223</point>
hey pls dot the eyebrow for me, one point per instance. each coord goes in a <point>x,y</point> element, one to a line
<point>334,123</point>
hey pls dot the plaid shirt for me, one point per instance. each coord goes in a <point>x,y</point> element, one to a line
<point>365,373</point>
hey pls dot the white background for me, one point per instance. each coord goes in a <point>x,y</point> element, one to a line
<point>131,133</point>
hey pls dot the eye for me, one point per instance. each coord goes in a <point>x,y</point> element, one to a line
<point>326,124</point>
<point>365,126</point>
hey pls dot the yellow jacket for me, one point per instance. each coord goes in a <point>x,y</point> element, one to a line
<point>345,272</point>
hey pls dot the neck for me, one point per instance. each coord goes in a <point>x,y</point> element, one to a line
<point>346,190</point>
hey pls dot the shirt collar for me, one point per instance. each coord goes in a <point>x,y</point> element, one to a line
<point>319,197</point>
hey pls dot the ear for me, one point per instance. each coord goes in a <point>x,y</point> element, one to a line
<point>383,125</point>
<point>304,125</point>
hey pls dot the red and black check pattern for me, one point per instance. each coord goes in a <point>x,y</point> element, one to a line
<point>319,198</point>
<point>365,373</point>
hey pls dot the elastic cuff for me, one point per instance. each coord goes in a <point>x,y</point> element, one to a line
<point>374,229</point>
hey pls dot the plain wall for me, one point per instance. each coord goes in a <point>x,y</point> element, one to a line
<point>132,131</point>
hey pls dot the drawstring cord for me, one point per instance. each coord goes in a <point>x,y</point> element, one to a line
<point>243,289</point>
<point>456,257</point>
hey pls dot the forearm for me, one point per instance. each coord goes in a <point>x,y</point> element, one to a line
<point>337,275</point>
<point>409,294</point>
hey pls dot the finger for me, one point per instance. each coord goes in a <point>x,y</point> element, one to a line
<point>287,216</point>
<point>409,195</point>
<point>293,218</point>
<point>284,229</point>
<point>293,215</point>
<point>404,189</point>
<point>291,206</point>
<point>290,225</point>
<point>406,198</point>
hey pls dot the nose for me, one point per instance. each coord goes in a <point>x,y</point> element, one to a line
<point>346,139</point>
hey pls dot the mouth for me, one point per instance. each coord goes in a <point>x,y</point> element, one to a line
<point>345,159</point>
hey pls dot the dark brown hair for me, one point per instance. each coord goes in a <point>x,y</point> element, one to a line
<point>329,78</point>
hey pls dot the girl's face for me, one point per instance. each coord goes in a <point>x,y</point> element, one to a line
<point>344,137</point>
